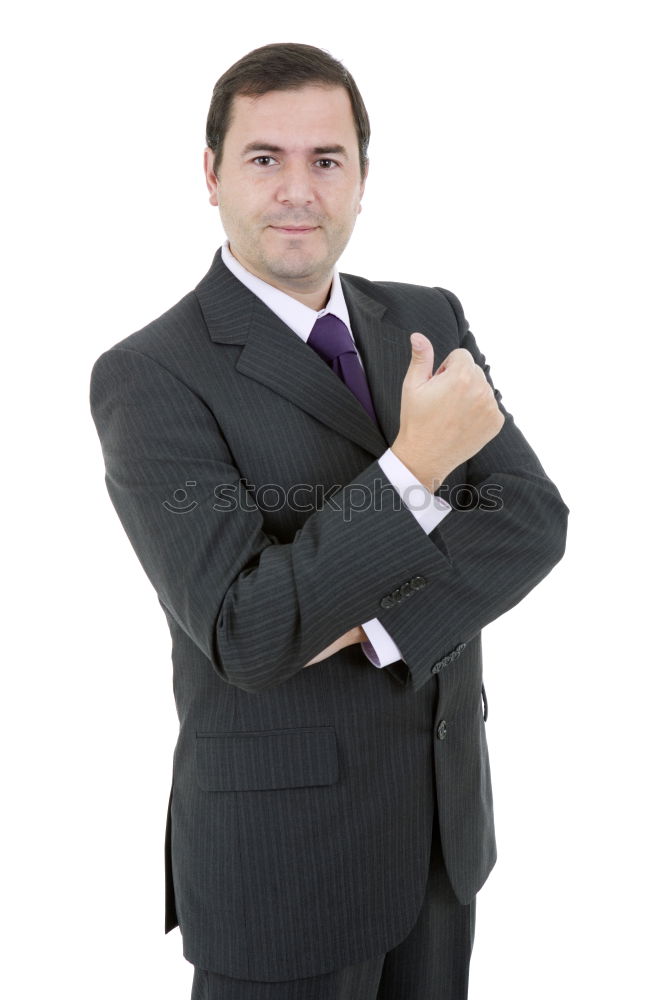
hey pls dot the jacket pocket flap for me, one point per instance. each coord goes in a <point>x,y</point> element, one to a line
<point>274,758</point>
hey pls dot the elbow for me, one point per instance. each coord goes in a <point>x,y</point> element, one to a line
<point>556,532</point>
<point>238,676</point>
<point>562,524</point>
<point>238,671</point>
<point>247,670</point>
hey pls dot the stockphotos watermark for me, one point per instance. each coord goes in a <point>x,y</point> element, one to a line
<point>306,498</point>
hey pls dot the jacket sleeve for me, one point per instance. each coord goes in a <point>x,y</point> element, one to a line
<point>259,609</point>
<point>506,531</point>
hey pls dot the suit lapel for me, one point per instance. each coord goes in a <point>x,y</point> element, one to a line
<point>277,357</point>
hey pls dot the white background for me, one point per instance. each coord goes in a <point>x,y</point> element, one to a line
<point>516,158</point>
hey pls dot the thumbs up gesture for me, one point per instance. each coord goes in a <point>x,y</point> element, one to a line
<point>445,417</point>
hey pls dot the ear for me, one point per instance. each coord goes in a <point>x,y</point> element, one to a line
<point>362,191</point>
<point>211,179</point>
<point>367,171</point>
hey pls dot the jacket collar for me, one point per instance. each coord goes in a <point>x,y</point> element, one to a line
<point>277,357</point>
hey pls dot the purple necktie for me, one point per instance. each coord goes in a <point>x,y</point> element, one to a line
<point>332,341</point>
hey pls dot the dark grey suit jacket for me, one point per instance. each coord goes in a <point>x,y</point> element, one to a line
<point>301,809</point>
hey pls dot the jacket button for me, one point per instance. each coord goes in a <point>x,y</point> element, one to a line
<point>397,596</point>
<point>441,730</point>
<point>417,582</point>
<point>406,590</point>
<point>460,647</point>
<point>386,602</point>
<point>437,667</point>
<point>447,659</point>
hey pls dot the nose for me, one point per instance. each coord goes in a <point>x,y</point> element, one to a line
<point>295,184</point>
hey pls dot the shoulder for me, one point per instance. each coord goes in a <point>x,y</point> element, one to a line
<point>175,344</point>
<point>167,329</point>
<point>403,298</point>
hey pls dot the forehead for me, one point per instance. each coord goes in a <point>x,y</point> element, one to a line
<point>310,111</point>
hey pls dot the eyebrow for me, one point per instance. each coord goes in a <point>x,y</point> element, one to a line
<point>258,147</point>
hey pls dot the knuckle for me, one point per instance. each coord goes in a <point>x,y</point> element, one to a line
<point>461,355</point>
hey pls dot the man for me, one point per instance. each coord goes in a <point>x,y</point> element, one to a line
<point>280,450</point>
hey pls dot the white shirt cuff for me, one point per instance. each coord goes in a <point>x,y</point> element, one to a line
<point>380,649</point>
<point>427,508</point>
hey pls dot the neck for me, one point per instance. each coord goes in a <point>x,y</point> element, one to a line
<point>301,289</point>
<point>315,300</point>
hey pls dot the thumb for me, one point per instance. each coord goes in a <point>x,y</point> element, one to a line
<point>420,366</point>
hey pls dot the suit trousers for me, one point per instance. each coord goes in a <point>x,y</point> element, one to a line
<point>431,963</point>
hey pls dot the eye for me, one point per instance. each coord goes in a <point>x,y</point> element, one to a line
<point>322,160</point>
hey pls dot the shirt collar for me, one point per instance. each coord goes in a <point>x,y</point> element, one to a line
<point>299,317</point>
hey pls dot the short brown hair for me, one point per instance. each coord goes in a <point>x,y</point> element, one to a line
<point>282,66</point>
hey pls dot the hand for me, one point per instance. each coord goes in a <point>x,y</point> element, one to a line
<point>356,634</point>
<point>445,418</point>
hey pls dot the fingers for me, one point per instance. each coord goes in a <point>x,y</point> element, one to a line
<point>459,360</point>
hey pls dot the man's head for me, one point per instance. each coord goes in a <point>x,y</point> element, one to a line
<point>287,138</point>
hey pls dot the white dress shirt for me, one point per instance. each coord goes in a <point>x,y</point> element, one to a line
<point>380,649</point>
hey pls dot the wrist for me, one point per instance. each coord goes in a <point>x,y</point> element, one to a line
<point>423,471</point>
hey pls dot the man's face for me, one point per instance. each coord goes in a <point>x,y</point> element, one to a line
<point>282,166</point>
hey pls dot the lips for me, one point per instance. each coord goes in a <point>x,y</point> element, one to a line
<point>295,229</point>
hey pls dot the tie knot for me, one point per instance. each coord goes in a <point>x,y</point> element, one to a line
<point>330,338</point>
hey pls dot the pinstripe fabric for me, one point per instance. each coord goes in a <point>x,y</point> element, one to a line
<point>299,819</point>
<point>431,963</point>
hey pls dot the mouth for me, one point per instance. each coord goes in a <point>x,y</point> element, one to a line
<point>295,230</point>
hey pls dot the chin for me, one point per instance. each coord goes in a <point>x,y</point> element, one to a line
<point>294,268</point>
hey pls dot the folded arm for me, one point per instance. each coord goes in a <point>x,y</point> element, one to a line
<point>496,549</point>
<point>257,608</point>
